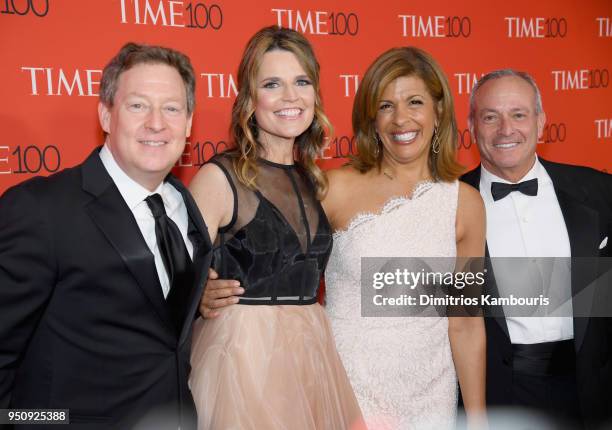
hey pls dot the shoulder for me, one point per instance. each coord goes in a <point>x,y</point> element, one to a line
<point>468,195</point>
<point>470,207</point>
<point>60,185</point>
<point>212,176</point>
<point>42,204</point>
<point>212,186</point>
<point>581,181</point>
<point>341,180</point>
<point>574,171</point>
<point>343,177</point>
<point>214,194</point>
<point>571,169</point>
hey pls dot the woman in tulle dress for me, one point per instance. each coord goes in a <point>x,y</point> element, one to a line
<point>270,361</point>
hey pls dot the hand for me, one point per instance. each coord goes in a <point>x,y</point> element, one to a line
<point>218,293</point>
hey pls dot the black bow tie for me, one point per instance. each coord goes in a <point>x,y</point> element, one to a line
<point>499,190</point>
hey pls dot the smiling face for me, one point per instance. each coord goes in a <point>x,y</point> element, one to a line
<point>148,124</point>
<point>285,99</point>
<point>506,126</point>
<point>406,119</point>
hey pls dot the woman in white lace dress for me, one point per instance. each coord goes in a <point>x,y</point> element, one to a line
<point>400,198</point>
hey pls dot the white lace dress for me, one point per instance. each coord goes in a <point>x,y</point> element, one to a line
<point>401,368</point>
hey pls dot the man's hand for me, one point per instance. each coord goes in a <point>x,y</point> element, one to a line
<point>218,293</point>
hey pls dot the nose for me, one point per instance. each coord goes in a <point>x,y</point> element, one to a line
<point>400,115</point>
<point>289,93</point>
<point>505,126</point>
<point>155,120</point>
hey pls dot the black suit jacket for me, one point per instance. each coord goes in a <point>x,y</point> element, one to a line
<point>585,198</point>
<point>83,322</point>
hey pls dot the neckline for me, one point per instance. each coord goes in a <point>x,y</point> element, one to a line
<point>279,165</point>
<point>390,205</point>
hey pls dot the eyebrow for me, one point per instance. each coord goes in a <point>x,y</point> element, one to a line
<point>276,78</point>
<point>405,98</point>
<point>487,110</point>
<point>139,96</point>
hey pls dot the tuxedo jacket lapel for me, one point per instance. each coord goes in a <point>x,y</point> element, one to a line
<point>202,253</point>
<point>581,221</point>
<point>105,209</point>
<point>583,229</point>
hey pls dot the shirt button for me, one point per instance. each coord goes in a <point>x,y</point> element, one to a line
<point>524,219</point>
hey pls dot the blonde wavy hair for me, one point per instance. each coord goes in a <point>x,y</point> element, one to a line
<point>393,64</point>
<point>243,128</point>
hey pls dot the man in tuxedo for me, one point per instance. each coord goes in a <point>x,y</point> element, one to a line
<point>561,366</point>
<point>102,265</point>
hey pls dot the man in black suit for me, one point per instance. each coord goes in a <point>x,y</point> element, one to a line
<point>561,366</point>
<point>98,286</point>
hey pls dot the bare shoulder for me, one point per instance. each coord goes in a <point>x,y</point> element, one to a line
<point>470,210</point>
<point>342,182</point>
<point>210,178</point>
<point>469,197</point>
<point>214,196</point>
<point>342,175</point>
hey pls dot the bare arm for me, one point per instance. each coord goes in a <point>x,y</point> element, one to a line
<point>213,195</point>
<point>334,201</point>
<point>467,334</point>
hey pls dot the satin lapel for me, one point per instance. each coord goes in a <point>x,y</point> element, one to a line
<point>473,178</point>
<point>582,225</point>
<point>201,261</point>
<point>111,214</point>
<point>498,311</point>
<point>202,255</point>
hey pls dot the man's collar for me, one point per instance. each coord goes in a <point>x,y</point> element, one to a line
<point>132,192</point>
<point>536,171</point>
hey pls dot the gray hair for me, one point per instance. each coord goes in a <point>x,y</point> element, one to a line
<point>132,54</point>
<point>496,74</point>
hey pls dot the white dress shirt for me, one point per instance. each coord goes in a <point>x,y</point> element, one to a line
<point>134,195</point>
<point>519,225</point>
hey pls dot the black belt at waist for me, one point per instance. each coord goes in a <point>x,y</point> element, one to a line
<point>546,358</point>
<point>281,300</point>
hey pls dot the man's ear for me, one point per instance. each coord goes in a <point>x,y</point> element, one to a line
<point>188,125</point>
<point>541,124</point>
<point>104,117</point>
<point>470,124</point>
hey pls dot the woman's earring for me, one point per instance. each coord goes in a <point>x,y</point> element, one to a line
<point>378,144</point>
<point>435,141</point>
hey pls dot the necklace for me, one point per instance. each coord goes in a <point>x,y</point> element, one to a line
<point>388,175</point>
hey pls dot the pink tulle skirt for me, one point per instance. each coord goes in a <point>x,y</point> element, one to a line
<point>268,368</point>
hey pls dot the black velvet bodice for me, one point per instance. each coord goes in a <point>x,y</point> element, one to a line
<point>278,241</point>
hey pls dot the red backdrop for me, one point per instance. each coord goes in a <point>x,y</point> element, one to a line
<point>53,52</point>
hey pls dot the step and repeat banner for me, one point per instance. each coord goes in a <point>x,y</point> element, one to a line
<point>53,53</point>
